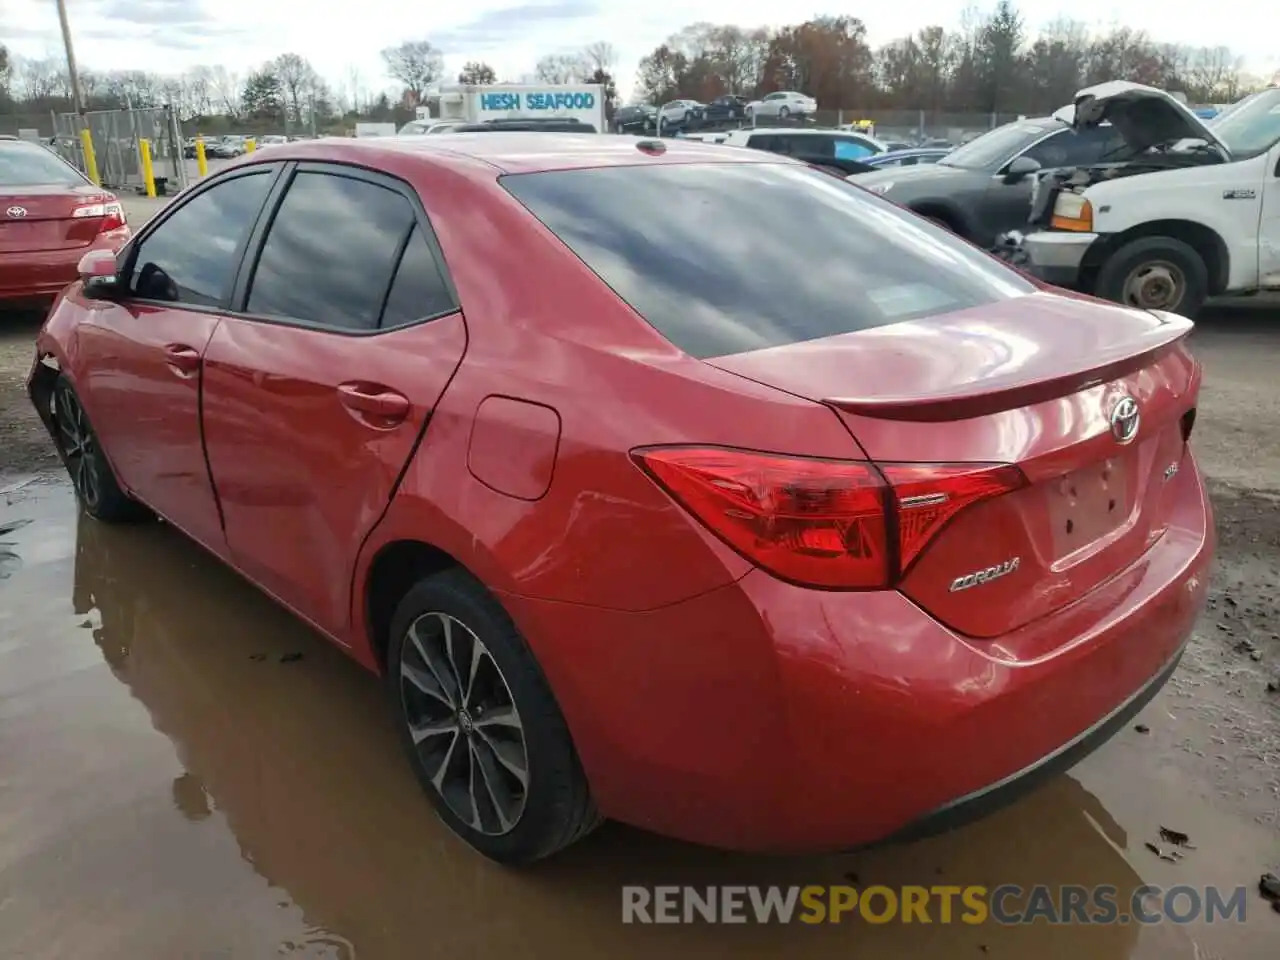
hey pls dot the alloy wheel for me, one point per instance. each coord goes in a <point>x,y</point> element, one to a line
<point>79,447</point>
<point>464,724</point>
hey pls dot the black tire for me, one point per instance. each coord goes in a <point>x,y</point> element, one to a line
<point>555,803</point>
<point>1121,272</point>
<point>784,113</point>
<point>94,481</point>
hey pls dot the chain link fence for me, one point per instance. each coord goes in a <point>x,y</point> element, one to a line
<point>116,135</point>
<point>919,126</point>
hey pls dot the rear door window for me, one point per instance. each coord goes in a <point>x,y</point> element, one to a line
<point>809,256</point>
<point>419,289</point>
<point>330,252</point>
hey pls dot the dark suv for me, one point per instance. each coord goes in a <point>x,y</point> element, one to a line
<point>729,107</point>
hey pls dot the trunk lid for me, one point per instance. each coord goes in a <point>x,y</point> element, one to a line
<point>1044,382</point>
<point>1146,117</point>
<point>39,218</point>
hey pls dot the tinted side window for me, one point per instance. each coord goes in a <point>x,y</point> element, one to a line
<point>810,256</point>
<point>766,141</point>
<point>852,148</point>
<point>418,289</point>
<point>810,147</point>
<point>191,257</point>
<point>329,254</point>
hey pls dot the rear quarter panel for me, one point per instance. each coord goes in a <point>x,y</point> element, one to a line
<point>545,329</point>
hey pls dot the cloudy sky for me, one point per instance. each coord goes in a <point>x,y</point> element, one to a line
<point>342,37</point>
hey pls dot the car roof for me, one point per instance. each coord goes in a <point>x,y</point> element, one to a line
<point>521,151</point>
<point>807,131</point>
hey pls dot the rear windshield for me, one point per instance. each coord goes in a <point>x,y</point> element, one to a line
<point>726,258</point>
<point>27,165</point>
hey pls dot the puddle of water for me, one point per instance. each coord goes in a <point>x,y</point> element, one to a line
<point>173,788</point>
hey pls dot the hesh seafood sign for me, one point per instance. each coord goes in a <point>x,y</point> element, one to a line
<point>538,100</point>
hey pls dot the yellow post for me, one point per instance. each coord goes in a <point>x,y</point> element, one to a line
<point>90,159</point>
<point>202,163</point>
<point>148,174</point>
<point>250,145</point>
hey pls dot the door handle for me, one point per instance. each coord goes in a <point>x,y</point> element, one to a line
<point>374,401</point>
<point>182,358</point>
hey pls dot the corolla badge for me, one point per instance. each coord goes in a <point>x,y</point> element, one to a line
<point>979,577</point>
<point>1125,419</point>
<point>16,212</point>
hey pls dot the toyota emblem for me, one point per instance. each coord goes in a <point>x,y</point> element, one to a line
<point>16,212</point>
<point>1125,419</point>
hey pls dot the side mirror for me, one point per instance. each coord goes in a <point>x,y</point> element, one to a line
<point>1020,168</point>
<point>97,272</point>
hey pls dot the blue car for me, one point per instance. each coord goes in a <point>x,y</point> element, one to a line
<point>907,158</point>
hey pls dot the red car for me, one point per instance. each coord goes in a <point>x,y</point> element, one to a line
<point>50,215</point>
<point>663,482</point>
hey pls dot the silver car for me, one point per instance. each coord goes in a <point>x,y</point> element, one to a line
<point>783,104</point>
<point>678,113</point>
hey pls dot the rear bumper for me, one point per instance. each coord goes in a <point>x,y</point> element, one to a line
<point>764,716</point>
<point>981,802</point>
<point>43,274</point>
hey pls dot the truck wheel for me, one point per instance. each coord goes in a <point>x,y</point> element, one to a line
<point>1156,273</point>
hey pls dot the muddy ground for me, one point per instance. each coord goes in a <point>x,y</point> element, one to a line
<point>175,782</point>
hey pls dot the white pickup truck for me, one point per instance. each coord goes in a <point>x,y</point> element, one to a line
<point>1191,212</point>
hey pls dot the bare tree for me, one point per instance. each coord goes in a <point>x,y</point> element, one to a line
<point>600,57</point>
<point>561,68</point>
<point>38,79</point>
<point>298,82</point>
<point>355,89</point>
<point>416,64</point>
<point>226,90</point>
<point>199,85</point>
<point>475,73</point>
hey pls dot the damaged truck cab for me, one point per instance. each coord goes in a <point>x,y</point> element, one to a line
<point>1193,212</point>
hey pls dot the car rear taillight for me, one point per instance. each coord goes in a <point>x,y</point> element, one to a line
<point>835,524</point>
<point>928,495</point>
<point>108,208</point>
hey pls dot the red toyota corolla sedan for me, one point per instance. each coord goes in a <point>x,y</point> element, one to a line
<point>665,482</point>
<point>50,215</point>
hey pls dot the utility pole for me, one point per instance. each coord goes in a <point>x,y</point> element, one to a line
<point>76,94</point>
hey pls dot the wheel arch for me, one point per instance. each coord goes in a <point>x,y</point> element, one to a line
<point>394,569</point>
<point>944,212</point>
<point>1206,241</point>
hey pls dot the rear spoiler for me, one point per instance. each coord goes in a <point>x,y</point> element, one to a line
<point>1004,393</point>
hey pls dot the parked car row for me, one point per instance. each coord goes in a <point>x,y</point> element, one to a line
<point>232,145</point>
<point>688,114</point>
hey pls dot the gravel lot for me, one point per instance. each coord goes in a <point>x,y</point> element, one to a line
<point>182,792</point>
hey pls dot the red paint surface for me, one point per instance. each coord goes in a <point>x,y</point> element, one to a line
<point>708,699</point>
<point>513,447</point>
